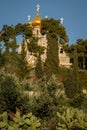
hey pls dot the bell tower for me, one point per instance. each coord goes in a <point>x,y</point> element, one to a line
<point>36,22</point>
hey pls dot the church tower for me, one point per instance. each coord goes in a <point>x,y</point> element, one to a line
<point>36,22</point>
<point>42,40</point>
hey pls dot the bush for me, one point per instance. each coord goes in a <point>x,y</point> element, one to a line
<point>25,122</point>
<point>71,119</point>
<point>9,92</point>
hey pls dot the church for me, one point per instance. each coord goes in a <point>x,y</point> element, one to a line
<point>64,59</point>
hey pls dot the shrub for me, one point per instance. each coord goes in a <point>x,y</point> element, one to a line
<point>72,118</point>
<point>25,122</point>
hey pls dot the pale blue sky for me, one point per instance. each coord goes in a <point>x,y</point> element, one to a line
<point>74,13</point>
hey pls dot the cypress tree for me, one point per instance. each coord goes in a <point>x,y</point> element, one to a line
<point>21,64</point>
<point>75,71</point>
<point>38,68</point>
<point>53,29</point>
<point>52,55</point>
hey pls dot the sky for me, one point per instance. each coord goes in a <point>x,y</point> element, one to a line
<point>74,13</point>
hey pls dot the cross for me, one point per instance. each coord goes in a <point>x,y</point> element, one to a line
<point>46,17</point>
<point>61,20</point>
<point>29,17</point>
<point>37,8</point>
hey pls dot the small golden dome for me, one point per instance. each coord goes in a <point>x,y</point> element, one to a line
<point>36,22</point>
<point>30,24</point>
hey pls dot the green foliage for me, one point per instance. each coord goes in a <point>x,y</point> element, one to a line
<point>33,47</point>
<point>75,71</point>
<point>54,32</point>
<point>50,98</point>
<point>46,99</point>
<point>25,122</point>
<point>23,103</point>
<point>13,93</point>
<point>84,104</point>
<point>24,30</point>
<point>51,66</point>
<point>71,84</point>
<point>38,68</point>
<point>53,26</point>
<point>8,92</point>
<point>72,118</point>
<point>81,46</point>
<point>9,47</point>
<point>62,73</point>
<point>46,95</point>
<point>22,68</point>
<point>2,58</point>
<point>82,77</point>
<point>9,39</point>
<point>4,121</point>
<point>77,101</point>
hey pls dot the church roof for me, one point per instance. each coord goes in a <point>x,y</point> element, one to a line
<point>36,22</point>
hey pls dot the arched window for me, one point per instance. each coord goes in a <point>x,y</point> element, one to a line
<point>61,50</point>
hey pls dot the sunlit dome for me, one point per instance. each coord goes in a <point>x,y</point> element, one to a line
<point>36,22</point>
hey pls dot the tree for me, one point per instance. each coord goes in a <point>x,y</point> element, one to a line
<point>9,39</point>
<point>22,68</point>
<point>54,32</point>
<point>75,71</point>
<point>72,84</point>
<point>38,68</point>
<point>24,30</point>
<point>82,52</point>
<point>81,46</point>
<point>2,58</point>
<point>9,47</point>
<point>52,55</point>
<point>8,93</point>
<point>50,98</point>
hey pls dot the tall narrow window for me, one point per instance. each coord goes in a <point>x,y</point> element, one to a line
<point>61,50</point>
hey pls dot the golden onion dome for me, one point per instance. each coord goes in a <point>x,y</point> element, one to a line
<point>30,24</point>
<point>36,22</point>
